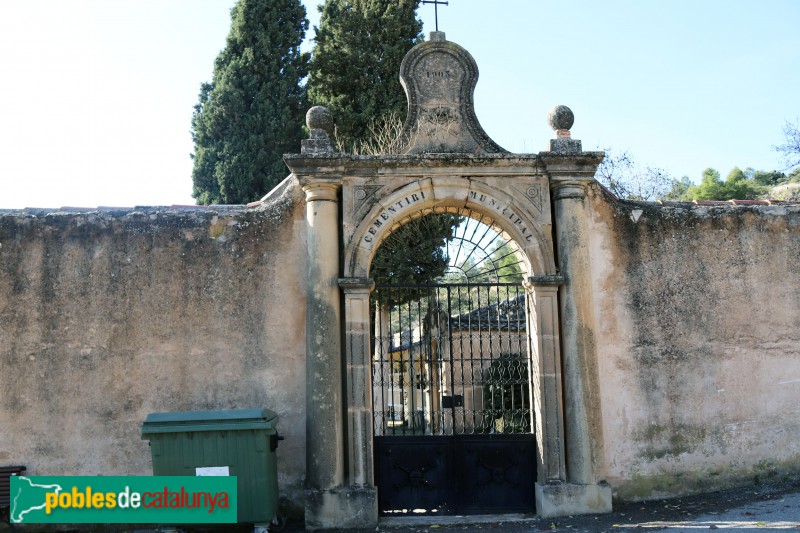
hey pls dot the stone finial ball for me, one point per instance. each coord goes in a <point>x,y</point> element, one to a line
<point>561,118</point>
<point>319,118</point>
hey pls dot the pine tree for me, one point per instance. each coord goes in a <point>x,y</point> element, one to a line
<point>252,112</point>
<point>355,66</point>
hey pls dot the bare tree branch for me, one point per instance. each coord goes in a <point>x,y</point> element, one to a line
<point>791,149</point>
<point>627,180</point>
<point>386,136</point>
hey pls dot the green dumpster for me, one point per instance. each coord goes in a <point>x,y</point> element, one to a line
<point>239,442</point>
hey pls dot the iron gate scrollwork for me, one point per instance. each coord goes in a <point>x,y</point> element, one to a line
<point>452,415</point>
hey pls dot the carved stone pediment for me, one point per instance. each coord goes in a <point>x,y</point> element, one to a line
<point>439,78</point>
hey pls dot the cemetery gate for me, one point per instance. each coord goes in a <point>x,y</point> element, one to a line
<point>452,416</point>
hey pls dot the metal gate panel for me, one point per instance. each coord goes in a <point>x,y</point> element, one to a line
<point>451,360</point>
<point>451,399</point>
<point>414,475</point>
<point>464,474</point>
<point>496,473</point>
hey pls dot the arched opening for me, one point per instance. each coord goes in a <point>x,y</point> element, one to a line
<point>517,218</point>
<point>451,367</point>
<point>469,245</point>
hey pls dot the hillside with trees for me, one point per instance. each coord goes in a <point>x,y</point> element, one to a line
<point>628,180</point>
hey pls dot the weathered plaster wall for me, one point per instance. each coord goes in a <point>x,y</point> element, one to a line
<point>107,316</point>
<point>698,339</point>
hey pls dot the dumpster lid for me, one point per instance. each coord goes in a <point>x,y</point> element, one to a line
<point>230,419</point>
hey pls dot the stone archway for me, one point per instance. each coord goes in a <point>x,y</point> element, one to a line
<point>526,221</point>
<point>521,209</point>
<point>353,202</point>
<point>340,451</point>
<point>451,362</point>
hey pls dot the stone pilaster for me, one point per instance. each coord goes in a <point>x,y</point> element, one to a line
<point>329,503</point>
<point>339,493</point>
<point>324,407</point>
<point>547,398</point>
<point>583,426</point>
<point>358,395</point>
<point>585,489</point>
<point>358,368</point>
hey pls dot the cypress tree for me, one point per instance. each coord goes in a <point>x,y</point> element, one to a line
<point>355,66</point>
<point>415,252</point>
<point>253,110</point>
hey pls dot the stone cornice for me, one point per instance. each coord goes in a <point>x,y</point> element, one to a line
<point>578,165</point>
<point>559,167</point>
<point>429,164</point>
<point>544,281</point>
<point>315,166</point>
<point>351,285</point>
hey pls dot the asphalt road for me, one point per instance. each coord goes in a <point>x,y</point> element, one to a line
<point>764,507</point>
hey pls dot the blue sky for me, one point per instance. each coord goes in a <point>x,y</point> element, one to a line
<point>96,96</point>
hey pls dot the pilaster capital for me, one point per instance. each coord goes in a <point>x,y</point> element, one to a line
<point>564,189</point>
<point>322,191</point>
<point>356,285</point>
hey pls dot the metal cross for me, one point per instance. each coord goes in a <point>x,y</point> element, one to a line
<point>435,9</point>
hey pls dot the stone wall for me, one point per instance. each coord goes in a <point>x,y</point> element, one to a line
<point>108,315</point>
<point>698,342</point>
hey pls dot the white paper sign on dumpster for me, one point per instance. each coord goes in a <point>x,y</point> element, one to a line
<point>212,471</point>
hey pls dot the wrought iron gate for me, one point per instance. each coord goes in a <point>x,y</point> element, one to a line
<point>452,413</point>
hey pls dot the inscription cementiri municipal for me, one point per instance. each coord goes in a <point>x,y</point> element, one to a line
<point>401,206</point>
<point>504,210</point>
<point>388,213</point>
